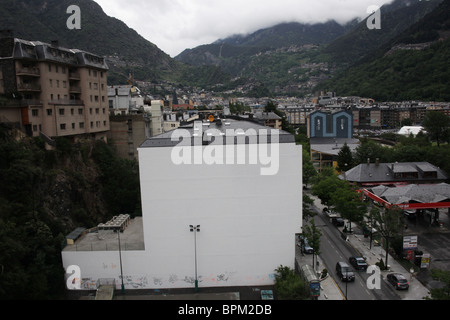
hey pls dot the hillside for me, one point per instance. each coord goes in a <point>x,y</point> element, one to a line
<point>126,51</point>
<point>395,19</point>
<point>235,52</point>
<point>413,65</point>
<point>45,195</point>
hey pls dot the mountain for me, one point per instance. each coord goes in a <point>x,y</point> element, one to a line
<point>293,58</point>
<point>234,52</point>
<point>126,51</point>
<point>395,18</point>
<point>414,65</point>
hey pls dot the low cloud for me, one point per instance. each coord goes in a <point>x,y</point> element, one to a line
<point>175,25</point>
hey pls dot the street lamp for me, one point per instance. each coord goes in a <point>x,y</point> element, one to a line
<point>195,229</point>
<point>120,259</point>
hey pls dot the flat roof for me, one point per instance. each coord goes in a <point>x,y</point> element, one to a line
<point>131,239</point>
<point>208,132</point>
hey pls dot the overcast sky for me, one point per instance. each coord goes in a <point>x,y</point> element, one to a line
<point>175,25</point>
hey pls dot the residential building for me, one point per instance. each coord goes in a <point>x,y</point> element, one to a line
<point>53,91</point>
<point>214,217</point>
<point>270,119</point>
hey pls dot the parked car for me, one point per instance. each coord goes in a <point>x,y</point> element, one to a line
<point>338,222</point>
<point>306,248</point>
<point>344,271</point>
<point>398,280</point>
<point>359,263</point>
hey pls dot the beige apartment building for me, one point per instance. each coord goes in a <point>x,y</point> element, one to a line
<point>50,91</point>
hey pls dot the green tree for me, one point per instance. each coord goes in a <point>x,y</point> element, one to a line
<point>437,126</point>
<point>370,150</point>
<point>309,172</point>
<point>345,159</point>
<point>289,285</point>
<point>389,223</point>
<point>313,235</point>
<point>326,184</point>
<point>346,200</point>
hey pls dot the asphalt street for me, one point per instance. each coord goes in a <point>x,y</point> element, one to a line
<point>334,249</point>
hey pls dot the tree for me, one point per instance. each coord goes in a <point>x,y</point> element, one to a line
<point>372,151</point>
<point>313,234</point>
<point>309,172</point>
<point>307,202</point>
<point>437,125</point>
<point>389,223</point>
<point>347,202</point>
<point>289,285</point>
<point>345,159</point>
<point>326,183</point>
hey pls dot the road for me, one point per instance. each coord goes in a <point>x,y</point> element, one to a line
<point>334,249</point>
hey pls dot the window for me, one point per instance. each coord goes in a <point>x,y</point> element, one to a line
<point>73,126</point>
<point>81,125</point>
<point>62,126</point>
<point>49,112</point>
<point>61,112</point>
<point>51,83</point>
<point>80,112</point>
<point>35,112</point>
<point>49,67</point>
<point>97,111</point>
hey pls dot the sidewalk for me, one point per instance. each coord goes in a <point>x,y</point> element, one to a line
<point>329,290</point>
<point>373,254</point>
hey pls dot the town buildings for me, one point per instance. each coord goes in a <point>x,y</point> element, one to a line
<point>50,91</point>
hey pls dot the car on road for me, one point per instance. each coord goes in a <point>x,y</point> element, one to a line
<point>398,280</point>
<point>344,271</point>
<point>359,263</point>
<point>338,222</point>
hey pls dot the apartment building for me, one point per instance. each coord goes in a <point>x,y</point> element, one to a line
<point>50,91</point>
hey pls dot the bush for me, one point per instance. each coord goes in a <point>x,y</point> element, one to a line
<point>289,285</point>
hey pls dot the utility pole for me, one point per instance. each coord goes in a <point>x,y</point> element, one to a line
<point>195,229</point>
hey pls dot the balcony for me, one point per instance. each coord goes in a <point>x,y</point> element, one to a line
<point>75,89</point>
<point>67,102</point>
<point>32,72</point>
<point>74,76</point>
<point>28,87</point>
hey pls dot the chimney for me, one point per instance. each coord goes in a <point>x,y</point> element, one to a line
<point>368,161</point>
<point>378,162</point>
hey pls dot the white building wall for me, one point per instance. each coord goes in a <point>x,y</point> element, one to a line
<point>248,225</point>
<point>248,221</point>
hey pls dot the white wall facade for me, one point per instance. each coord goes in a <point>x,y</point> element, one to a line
<point>248,224</point>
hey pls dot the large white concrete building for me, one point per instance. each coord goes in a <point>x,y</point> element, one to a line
<point>240,182</point>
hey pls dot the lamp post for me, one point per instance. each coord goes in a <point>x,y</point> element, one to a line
<point>120,259</point>
<point>195,229</point>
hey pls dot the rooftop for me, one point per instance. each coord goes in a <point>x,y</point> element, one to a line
<point>415,172</point>
<point>103,238</point>
<point>414,193</point>
<point>208,132</point>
